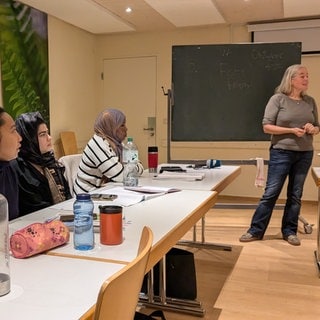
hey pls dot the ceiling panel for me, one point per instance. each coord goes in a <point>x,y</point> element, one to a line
<point>143,17</point>
<point>85,14</point>
<point>185,13</point>
<point>241,11</point>
<point>300,8</point>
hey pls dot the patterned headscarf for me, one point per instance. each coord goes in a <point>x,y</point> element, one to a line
<point>106,126</point>
<point>27,126</point>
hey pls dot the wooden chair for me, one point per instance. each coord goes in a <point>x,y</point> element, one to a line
<point>119,294</point>
<point>71,163</point>
<point>68,142</point>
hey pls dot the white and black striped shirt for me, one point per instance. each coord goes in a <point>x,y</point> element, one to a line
<point>98,162</point>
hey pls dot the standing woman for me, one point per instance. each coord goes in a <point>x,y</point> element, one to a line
<point>102,157</point>
<point>41,179</point>
<point>291,118</point>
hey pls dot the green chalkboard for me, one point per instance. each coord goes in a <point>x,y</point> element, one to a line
<point>219,92</point>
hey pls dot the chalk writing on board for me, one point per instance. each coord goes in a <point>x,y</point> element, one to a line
<point>235,78</point>
<point>226,86</point>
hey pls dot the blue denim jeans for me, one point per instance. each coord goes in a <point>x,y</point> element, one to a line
<point>282,164</point>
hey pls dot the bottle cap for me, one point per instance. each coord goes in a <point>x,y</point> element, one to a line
<point>83,196</point>
<point>110,209</point>
<point>130,139</point>
<point>153,149</point>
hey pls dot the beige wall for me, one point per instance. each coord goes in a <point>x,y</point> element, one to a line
<point>72,81</point>
<point>76,62</point>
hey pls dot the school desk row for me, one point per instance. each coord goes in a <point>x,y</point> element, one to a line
<point>59,285</point>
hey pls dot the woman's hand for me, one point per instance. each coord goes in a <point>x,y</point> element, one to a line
<point>311,129</point>
<point>273,129</point>
<point>298,132</point>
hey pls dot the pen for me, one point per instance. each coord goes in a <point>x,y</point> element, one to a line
<point>53,218</point>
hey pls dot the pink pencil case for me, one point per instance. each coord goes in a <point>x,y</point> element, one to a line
<point>38,237</point>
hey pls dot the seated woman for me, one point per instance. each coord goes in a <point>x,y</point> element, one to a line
<point>102,157</point>
<point>41,179</point>
<point>9,148</point>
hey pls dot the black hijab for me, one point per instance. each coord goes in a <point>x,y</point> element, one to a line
<point>27,126</point>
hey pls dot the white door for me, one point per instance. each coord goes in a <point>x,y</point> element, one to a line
<point>130,86</point>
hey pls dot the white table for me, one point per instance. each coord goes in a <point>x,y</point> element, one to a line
<point>169,216</point>
<point>60,273</point>
<point>51,288</point>
<point>216,179</point>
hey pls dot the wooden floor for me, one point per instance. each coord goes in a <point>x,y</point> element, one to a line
<point>271,279</point>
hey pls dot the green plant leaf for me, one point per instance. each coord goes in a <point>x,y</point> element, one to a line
<point>24,60</point>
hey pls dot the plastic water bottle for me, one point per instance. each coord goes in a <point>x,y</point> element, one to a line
<point>130,157</point>
<point>130,174</point>
<point>130,151</point>
<point>4,247</point>
<point>83,236</point>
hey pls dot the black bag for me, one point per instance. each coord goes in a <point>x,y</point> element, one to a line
<point>158,314</point>
<point>181,280</point>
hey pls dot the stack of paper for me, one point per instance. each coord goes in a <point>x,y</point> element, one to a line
<point>189,176</point>
<point>124,197</point>
<point>152,189</point>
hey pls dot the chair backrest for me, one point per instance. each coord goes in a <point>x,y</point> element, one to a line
<point>119,294</point>
<point>71,164</point>
<point>68,142</point>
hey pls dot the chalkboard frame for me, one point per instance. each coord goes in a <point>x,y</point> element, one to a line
<point>219,92</point>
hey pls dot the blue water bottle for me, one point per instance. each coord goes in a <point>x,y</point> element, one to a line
<point>83,236</point>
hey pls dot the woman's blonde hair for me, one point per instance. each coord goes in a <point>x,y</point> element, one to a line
<point>285,85</point>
